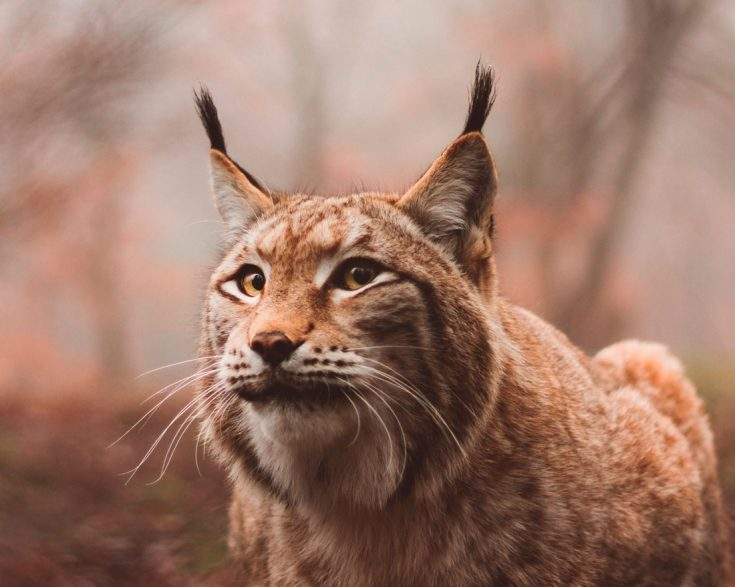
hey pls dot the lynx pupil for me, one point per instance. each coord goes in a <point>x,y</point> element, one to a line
<point>258,281</point>
<point>252,282</point>
<point>357,276</point>
<point>362,275</point>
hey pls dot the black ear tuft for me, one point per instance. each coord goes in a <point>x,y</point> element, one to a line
<point>482,98</point>
<point>208,115</point>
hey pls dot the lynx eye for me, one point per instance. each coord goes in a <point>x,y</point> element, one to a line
<point>251,281</point>
<point>357,274</point>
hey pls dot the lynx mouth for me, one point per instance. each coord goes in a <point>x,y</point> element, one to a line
<point>311,394</point>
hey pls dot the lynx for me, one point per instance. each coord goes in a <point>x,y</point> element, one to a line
<point>387,418</point>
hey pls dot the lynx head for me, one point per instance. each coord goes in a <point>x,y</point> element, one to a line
<point>349,337</point>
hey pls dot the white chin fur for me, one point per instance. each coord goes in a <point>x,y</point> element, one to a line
<point>293,425</point>
<point>315,456</point>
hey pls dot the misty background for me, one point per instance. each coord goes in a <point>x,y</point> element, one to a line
<point>612,133</point>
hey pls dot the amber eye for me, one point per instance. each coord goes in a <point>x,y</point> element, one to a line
<point>357,275</point>
<point>251,281</point>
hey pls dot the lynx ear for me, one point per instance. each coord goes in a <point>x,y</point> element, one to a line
<point>240,198</point>
<point>453,200</point>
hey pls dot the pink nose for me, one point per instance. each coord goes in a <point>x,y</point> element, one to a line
<point>273,346</point>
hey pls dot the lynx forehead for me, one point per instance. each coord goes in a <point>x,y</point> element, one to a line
<point>388,418</point>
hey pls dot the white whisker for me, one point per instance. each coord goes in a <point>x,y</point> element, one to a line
<point>380,419</point>
<point>179,385</point>
<point>411,390</point>
<point>196,453</point>
<point>381,396</point>
<point>357,414</point>
<point>219,410</point>
<point>388,346</point>
<point>181,431</point>
<point>158,440</point>
<point>204,371</point>
<point>179,363</point>
<point>403,378</point>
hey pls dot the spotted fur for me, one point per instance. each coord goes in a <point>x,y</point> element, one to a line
<point>422,430</point>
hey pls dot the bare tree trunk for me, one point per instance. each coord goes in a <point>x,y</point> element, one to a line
<point>660,28</point>
<point>105,286</point>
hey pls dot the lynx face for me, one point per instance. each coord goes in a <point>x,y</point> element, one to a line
<point>339,329</point>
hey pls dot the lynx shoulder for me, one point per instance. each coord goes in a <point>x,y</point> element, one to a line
<point>388,418</point>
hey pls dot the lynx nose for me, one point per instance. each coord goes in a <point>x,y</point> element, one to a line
<point>273,346</point>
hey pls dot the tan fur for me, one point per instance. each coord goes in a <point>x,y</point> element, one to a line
<point>464,441</point>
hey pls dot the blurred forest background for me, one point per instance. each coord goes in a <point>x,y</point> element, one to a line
<point>613,135</point>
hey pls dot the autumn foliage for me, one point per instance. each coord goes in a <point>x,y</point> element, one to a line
<point>67,516</point>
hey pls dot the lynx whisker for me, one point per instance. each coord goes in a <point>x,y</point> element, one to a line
<point>193,414</point>
<point>216,417</point>
<point>403,378</point>
<point>181,431</point>
<point>378,416</point>
<point>199,374</point>
<point>388,346</point>
<point>174,444</point>
<point>420,399</point>
<point>158,440</point>
<point>219,414</point>
<point>192,403</point>
<point>162,367</point>
<point>357,415</point>
<point>201,435</point>
<point>381,395</point>
<point>179,385</point>
<point>196,453</point>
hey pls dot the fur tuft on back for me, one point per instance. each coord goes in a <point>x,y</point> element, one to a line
<point>482,98</point>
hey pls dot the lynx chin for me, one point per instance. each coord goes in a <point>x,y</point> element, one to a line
<point>388,418</point>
